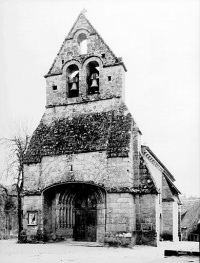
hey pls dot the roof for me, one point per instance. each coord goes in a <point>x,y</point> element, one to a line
<point>105,131</point>
<point>160,163</point>
<point>191,215</point>
<point>169,177</point>
<point>187,204</point>
<point>172,185</point>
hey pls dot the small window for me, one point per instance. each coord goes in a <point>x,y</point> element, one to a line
<point>70,53</point>
<point>103,55</point>
<point>32,218</point>
<point>83,43</point>
<point>63,61</point>
<point>83,47</point>
<point>54,87</point>
<point>109,78</point>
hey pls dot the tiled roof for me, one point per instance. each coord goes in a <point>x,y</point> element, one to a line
<point>106,131</point>
<point>191,215</point>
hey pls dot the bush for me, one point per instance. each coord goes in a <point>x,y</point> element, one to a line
<point>120,239</point>
<point>111,241</point>
<point>22,237</point>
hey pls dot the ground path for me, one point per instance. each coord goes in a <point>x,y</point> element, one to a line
<point>62,252</point>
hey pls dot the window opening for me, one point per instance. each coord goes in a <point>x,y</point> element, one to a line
<point>109,78</point>
<point>103,55</point>
<point>93,77</point>
<point>82,41</point>
<point>54,87</point>
<point>83,47</point>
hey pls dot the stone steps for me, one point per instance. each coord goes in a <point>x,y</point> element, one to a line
<point>84,244</point>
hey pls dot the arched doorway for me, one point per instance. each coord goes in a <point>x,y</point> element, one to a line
<point>75,211</point>
<point>85,217</point>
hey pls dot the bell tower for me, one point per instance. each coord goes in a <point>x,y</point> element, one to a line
<point>84,70</point>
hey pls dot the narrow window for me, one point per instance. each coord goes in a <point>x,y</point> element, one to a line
<point>83,47</point>
<point>109,78</point>
<point>63,61</point>
<point>82,41</point>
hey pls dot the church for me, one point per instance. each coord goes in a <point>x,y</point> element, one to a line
<point>87,177</point>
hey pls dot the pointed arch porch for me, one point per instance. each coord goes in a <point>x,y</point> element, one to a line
<point>75,211</point>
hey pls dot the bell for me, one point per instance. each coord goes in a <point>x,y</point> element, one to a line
<point>94,84</point>
<point>74,86</point>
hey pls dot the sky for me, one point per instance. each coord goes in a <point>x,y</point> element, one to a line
<point>159,43</point>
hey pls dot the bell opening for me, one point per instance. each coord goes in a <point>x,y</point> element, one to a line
<point>73,81</point>
<point>93,77</point>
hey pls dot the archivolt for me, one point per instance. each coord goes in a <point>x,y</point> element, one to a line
<point>67,200</point>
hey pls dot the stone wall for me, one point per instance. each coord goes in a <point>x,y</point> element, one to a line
<point>84,167</point>
<point>170,212</point>
<point>32,204</point>
<point>120,213</point>
<point>167,194</point>
<point>146,219</point>
<point>107,89</point>
<point>167,211</point>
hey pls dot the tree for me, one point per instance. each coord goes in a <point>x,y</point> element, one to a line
<point>15,147</point>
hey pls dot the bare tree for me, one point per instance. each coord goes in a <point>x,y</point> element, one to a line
<point>15,147</point>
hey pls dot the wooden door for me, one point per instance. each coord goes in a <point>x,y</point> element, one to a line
<point>85,225</point>
<point>85,219</point>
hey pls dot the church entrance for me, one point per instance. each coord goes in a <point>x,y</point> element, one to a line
<point>85,218</point>
<point>75,211</point>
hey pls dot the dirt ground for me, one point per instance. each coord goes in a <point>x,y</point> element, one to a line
<point>63,252</point>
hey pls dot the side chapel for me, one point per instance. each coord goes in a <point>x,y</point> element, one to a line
<point>86,175</point>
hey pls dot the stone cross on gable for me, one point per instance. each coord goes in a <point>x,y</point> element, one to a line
<point>83,11</point>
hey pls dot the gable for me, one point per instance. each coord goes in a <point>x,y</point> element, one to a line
<point>146,180</point>
<point>71,46</point>
<point>167,192</point>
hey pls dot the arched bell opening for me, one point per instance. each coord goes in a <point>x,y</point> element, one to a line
<point>92,70</point>
<point>73,81</point>
<point>75,211</point>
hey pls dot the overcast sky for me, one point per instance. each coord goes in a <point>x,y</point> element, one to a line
<point>159,43</point>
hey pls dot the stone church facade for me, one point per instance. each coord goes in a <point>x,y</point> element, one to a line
<point>86,175</point>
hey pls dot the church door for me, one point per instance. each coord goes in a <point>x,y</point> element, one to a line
<point>85,218</point>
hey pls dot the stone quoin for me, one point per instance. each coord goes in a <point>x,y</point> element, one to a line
<point>86,175</point>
